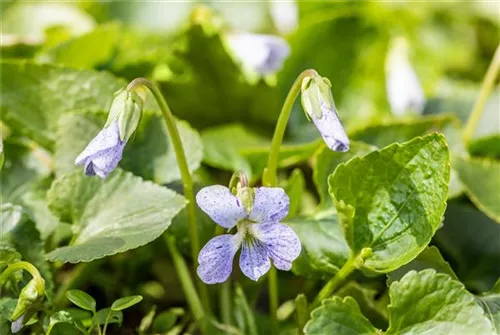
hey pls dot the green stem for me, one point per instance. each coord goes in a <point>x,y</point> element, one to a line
<point>486,88</point>
<point>302,312</point>
<point>270,178</point>
<point>40,283</point>
<point>187,181</point>
<point>335,282</point>
<point>186,282</point>
<point>106,322</point>
<point>225,301</point>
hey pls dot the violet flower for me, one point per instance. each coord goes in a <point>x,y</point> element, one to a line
<point>263,54</point>
<point>259,233</point>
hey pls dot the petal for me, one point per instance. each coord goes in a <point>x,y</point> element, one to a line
<point>221,205</point>
<point>89,169</point>
<point>107,138</point>
<point>282,244</point>
<point>331,129</point>
<point>216,258</point>
<point>106,161</point>
<point>270,204</point>
<point>254,261</point>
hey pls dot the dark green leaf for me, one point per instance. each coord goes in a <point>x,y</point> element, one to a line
<point>102,317</point>
<point>490,301</point>
<point>81,299</point>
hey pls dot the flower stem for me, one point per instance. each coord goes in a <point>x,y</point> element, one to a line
<point>187,181</point>
<point>40,283</point>
<point>269,178</point>
<point>486,88</point>
<point>186,282</point>
<point>302,312</point>
<point>335,282</point>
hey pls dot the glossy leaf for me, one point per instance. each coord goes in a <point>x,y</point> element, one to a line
<point>81,299</point>
<point>125,302</point>
<point>34,96</point>
<point>393,200</point>
<point>481,179</point>
<point>490,301</point>
<point>120,213</point>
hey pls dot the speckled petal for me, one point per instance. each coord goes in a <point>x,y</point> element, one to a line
<point>254,261</point>
<point>107,138</point>
<point>282,244</point>
<point>271,204</point>
<point>106,161</point>
<point>331,129</point>
<point>221,205</point>
<point>216,258</point>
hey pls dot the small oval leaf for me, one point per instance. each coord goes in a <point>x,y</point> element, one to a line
<point>81,299</point>
<point>126,302</point>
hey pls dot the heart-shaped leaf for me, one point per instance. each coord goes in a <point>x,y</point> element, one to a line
<point>421,302</point>
<point>125,302</point>
<point>391,201</point>
<point>81,299</point>
<point>109,216</point>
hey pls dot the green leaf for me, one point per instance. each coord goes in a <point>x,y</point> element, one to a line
<point>325,163</point>
<point>481,179</point>
<point>167,319</point>
<point>64,317</point>
<point>125,302</point>
<point>339,316</point>
<point>102,315</point>
<point>393,200</point>
<point>149,153</point>
<point>430,302</point>
<point>324,249</point>
<point>34,96</point>
<point>421,302</point>
<point>430,258</point>
<point>295,187</point>
<point>81,299</point>
<point>469,239</point>
<point>490,301</point>
<point>486,139</point>
<point>87,51</point>
<point>110,216</point>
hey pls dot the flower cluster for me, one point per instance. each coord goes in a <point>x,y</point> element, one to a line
<point>256,213</point>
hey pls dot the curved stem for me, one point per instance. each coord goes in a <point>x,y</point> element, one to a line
<point>186,282</point>
<point>40,283</point>
<point>187,181</point>
<point>269,178</point>
<point>486,88</point>
<point>335,282</point>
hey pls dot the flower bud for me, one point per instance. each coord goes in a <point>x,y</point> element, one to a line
<point>28,303</point>
<point>317,101</point>
<point>126,109</point>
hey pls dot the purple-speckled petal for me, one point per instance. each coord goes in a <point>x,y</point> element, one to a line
<point>282,244</point>
<point>270,205</point>
<point>331,129</point>
<point>107,161</point>
<point>107,138</point>
<point>216,258</point>
<point>221,205</point>
<point>254,261</point>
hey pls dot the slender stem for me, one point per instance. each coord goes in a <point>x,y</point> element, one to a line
<point>225,301</point>
<point>186,282</point>
<point>335,282</point>
<point>106,323</point>
<point>486,88</point>
<point>270,178</point>
<point>187,181</point>
<point>273,299</point>
<point>302,312</point>
<point>40,283</point>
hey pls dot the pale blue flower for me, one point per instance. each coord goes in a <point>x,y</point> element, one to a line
<point>263,54</point>
<point>103,153</point>
<point>259,233</point>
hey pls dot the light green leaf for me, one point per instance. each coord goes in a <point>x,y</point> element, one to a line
<point>126,302</point>
<point>64,317</point>
<point>295,187</point>
<point>324,249</point>
<point>102,316</point>
<point>481,179</point>
<point>325,163</point>
<point>430,258</point>
<point>486,139</point>
<point>339,316</point>
<point>433,302</point>
<point>490,301</point>
<point>120,213</point>
<point>34,96</point>
<point>88,51</point>
<point>393,200</point>
<point>149,153</point>
<point>81,299</point>
<point>421,302</point>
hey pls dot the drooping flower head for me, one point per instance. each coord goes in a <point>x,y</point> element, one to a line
<point>404,92</point>
<point>263,54</point>
<point>256,213</point>
<point>104,152</point>
<point>317,101</point>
